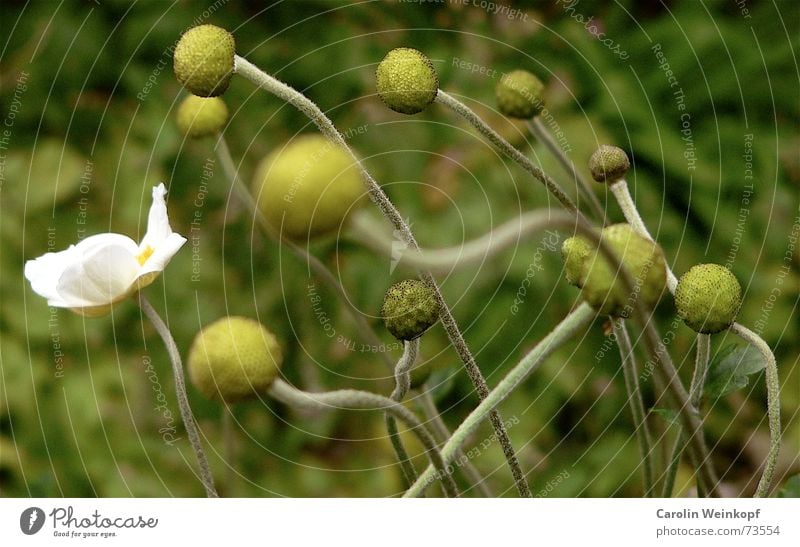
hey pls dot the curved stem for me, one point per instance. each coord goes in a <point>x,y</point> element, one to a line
<point>689,416</point>
<point>354,399</point>
<point>636,404</point>
<point>180,391</point>
<point>625,201</point>
<point>695,395</point>
<point>402,384</point>
<point>446,259</point>
<point>442,433</point>
<point>773,405</point>
<point>506,148</point>
<point>538,130</point>
<point>382,201</point>
<point>572,324</point>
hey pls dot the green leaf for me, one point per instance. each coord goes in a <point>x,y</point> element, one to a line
<point>791,488</point>
<point>730,369</point>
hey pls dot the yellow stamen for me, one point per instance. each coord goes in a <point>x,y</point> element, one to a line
<point>144,255</point>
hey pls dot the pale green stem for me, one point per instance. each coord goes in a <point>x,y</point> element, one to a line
<point>402,384</point>
<point>448,259</point>
<point>773,405</point>
<point>625,201</point>
<point>382,201</point>
<point>442,433</point>
<point>570,326</point>
<point>538,130</point>
<point>364,400</point>
<point>695,396</point>
<point>636,404</point>
<point>180,391</point>
<point>689,416</point>
<point>506,148</point>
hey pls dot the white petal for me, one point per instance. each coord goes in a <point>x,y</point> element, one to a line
<point>45,271</point>
<point>102,274</point>
<point>163,254</point>
<point>158,228</point>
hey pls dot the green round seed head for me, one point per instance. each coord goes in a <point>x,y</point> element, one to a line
<point>203,60</point>
<point>708,298</point>
<point>604,288</point>
<point>609,164</point>
<point>308,188</point>
<point>406,80</point>
<point>520,94</point>
<point>233,359</point>
<point>574,251</point>
<point>409,309</point>
<point>199,117</point>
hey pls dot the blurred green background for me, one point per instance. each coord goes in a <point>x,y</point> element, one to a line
<point>88,100</point>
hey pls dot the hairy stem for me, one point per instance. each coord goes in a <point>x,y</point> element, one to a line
<point>571,325</point>
<point>538,130</point>
<point>402,384</point>
<point>442,433</point>
<point>773,405</point>
<point>180,391</point>
<point>625,201</point>
<point>695,395</point>
<point>387,208</point>
<point>447,259</point>
<point>636,404</point>
<point>506,148</point>
<point>689,416</point>
<point>353,399</point>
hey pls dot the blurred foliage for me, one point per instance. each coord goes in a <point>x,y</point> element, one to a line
<point>88,100</point>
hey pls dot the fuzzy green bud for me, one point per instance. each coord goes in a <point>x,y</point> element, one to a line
<point>409,309</point>
<point>574,251</point>
<point>604,288</point>
<point>233,359</point>
<point>203,60</point>
<point>199,117</point>
<point>308,187</point>
<point>520,94</point>
<point>406,81</point>
<point>708,298</point>
<point>609,164</point>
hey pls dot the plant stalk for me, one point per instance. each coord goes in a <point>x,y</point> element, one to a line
<point>180,391</point>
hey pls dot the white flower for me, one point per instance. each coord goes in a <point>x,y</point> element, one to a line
<point>103,269</point>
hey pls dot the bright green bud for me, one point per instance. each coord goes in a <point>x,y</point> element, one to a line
<point>308,187</point>
<point>609,164</point>
<point>574,251</point>
<point>409,309</point>
<point>201,116</point>
<point>708,298</point>
<point>406,81</point>
<point>233,359</point>
<point>203,60</point>
<point>604,288</point>
<point>520,94</point>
